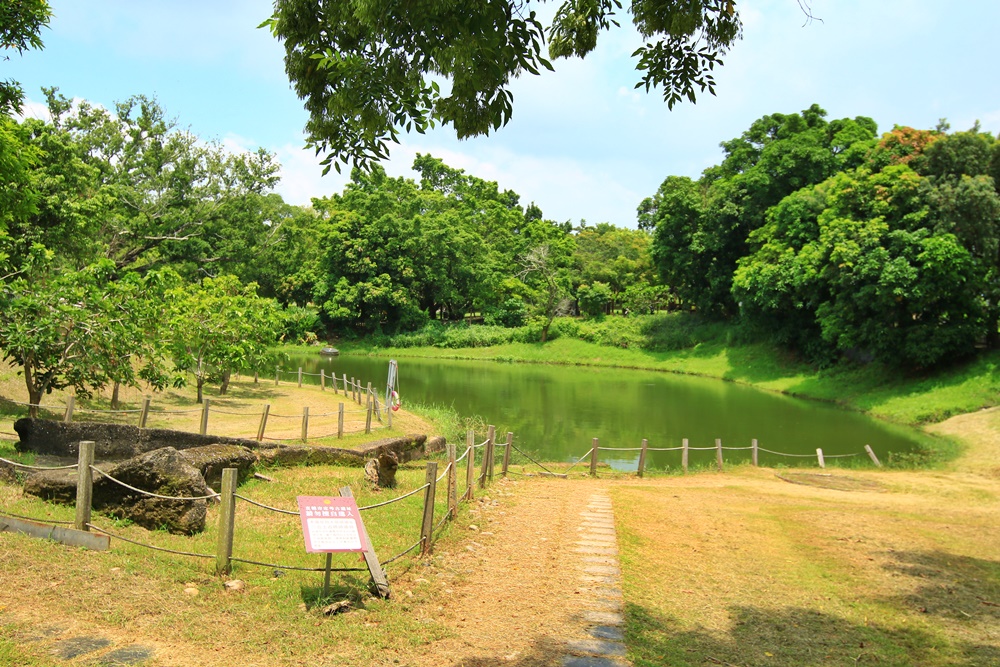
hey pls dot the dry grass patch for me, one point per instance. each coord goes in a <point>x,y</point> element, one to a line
<point>748,570</point>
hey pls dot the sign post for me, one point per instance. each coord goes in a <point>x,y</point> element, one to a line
<point>332,524</point>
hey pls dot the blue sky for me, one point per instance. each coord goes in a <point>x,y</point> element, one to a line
<point>583,144</point>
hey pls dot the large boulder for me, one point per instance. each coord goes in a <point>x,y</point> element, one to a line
<point>211,460</point>
<point>165,472</point>
<point>112,442</point>
<point>58,486</point>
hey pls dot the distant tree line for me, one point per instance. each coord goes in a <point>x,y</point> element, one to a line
<point>837,242</point>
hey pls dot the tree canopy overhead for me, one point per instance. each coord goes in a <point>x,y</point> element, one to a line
<point>368,69</point>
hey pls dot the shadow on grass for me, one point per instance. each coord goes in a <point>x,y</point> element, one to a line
<point>950,587</point>
<point>794,636</point>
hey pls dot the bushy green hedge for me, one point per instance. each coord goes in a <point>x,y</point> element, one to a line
<point>666,331</point>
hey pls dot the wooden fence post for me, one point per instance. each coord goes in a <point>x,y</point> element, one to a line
<point>684,454</point>
<point>353,390</point>
<point>204,417</point>
<point>322,380</point>
<point>84,484</point>
<point>373,397</point>
<point>871,454</point>
<point>305,423</point>
<point>368,419</point>
<point>484,466</point>
<point>227,522</point>
<point>345,384</point>
<point>753,452</point>
<point>340,420</point>
<point>819,458</point>
<point>263,421</point>
<point>470,464</point>
<point>300,377</point>
<point>70,402</point>
<point>642,457</point>
<point>491,448</point>
<point>452,482</point>
<point>144,414</point>
<point>593,457</point>
<point>506,453</point>
<point>718,453</point>
<point>427,526</point>
<point>388,416</point>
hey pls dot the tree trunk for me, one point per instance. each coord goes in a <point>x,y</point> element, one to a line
<point>34,393</point>
<point>225,384</point>
<point>114,396</point>
<point>201,384</point>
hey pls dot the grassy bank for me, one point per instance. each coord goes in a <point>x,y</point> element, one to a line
<point>711,350</point>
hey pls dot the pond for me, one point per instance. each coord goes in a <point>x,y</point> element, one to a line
<point>556,411</point>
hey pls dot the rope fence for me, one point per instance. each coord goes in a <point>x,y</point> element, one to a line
<point>150,494</point>
<point>27,467</point>
<point>754,448</point>
<point>147,546</point>
<point>434,476</point>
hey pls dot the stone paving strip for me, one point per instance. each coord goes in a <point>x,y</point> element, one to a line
<point>69,648</point>
<point>600,583</point>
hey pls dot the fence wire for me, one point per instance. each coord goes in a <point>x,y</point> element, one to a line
<point>149,546</point>
<point>27,467</point>
<point>150,493</point>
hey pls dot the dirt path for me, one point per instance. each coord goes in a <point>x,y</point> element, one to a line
<point>512,594</point>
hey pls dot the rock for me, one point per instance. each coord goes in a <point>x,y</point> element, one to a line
<point>234,586</point>
<point>112,442</point>
<point>473,527</point>
<point>190,591</point>
<point>58,486</point>
<point>381,471</point>
<point>210,460</point>
<point>336,608</point>
<point>164,472</point>
<point>8,473</point>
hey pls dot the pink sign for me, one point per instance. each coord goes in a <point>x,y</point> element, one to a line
<point>331,524</point>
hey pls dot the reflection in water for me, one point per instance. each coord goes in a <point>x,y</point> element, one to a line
<point>555,411</point>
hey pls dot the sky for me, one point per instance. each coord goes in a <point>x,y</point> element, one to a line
<point>583,144</point>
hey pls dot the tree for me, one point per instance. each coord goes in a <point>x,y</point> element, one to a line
<point>80,329</point>
<point>594,299</point>
<point>21,23</point>
<point>367,70</point>
<point>866,264</point>
<point>701,229</point>
<point>220,326</point>
<point>151,194</point>
<point>543,265</point>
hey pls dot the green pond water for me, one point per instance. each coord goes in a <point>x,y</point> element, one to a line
<point>555,411</point>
